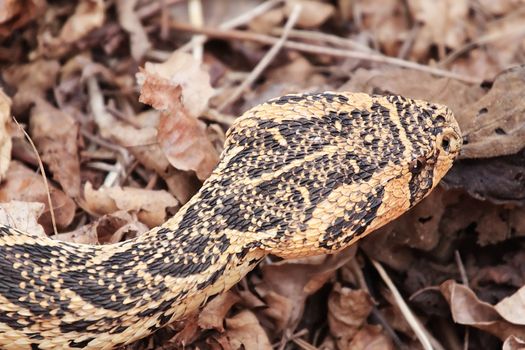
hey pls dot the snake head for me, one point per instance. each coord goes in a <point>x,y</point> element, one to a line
<point>316,172</point>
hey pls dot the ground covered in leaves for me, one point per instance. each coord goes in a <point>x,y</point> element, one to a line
<point>126,104</point>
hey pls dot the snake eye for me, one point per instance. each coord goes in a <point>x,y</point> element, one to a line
<point>417,165</point>
<point>449,142</point>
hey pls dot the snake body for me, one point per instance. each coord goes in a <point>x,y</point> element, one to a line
<point>300,175</point>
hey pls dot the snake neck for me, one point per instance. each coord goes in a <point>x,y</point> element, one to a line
<point>102,296</point>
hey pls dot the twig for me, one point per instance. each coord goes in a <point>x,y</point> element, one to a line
<point>237,21</point>
<point>196,18</point>
<point>464,280</point>
<point>44,177</point>
<point>515,31</point>
<point>265,61</point>
<point>405,310</point>
<point>325,38</point>
<point>317,49</point>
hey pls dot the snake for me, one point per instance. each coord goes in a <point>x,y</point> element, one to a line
<point>299,175</point>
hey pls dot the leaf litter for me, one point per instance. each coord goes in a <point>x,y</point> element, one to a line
<point>73,75</point>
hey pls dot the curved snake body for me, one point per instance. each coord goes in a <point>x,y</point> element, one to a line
<point>299,175</point>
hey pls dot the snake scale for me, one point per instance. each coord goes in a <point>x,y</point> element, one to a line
<point>299,175</point>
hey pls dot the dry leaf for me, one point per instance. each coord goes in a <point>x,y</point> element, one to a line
<point>417,85</point>
<point>313,13</point>
<point>244,331</point>
<point>130,22</point>
<point>494,125</point>
<point>23,184</point>
<point>295,280</point>
<point>57,145</point>
<point>142,143</point>
<point>153,207</point>
<point>181,69</point>
<point>348,310</point>
<point>182,137</point>
<point>16,13</point>
<point>513,343</point>
<point>213,314</point>
<point>503,320</point>
<point>383,21</point>
<point>22,216</point>
<point>5,138</point>
<point>448,30</point>
<point>89,15</point>
<point>32,81</point>
<point>370,337</point>
<point>111,228</point>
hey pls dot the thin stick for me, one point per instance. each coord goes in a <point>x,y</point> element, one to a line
<point>464,280</point>
<point>237,21</point>
<point>44,177</point>
<point>270,55</point>
<point>196,18</point>
<point>405,310</point>
<point>317,49</point>
<point>325,38</point>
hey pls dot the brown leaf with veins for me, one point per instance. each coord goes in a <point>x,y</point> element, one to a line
<point>22,216</point>
<point>348,310</point>
<point>89,15</point>
<point>313,13</point>
<point>23,184</point>
<point>130,22</point>
<point>494,125</point>
<point>370,337</point>
<point>182,137</point>
<point>503,320</point>
<point>288,283</point>
<point>55,135</point>
<point>244,331</point>
<point>16,13</point>
<point>213,314</point>
<point>32,80</point>
<point>153,207</point>
<point>111,228</point>
<point>181,69</point>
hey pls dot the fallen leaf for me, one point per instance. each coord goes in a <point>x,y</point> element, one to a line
<point>500,180</point>
<point>182,137</point>
<point>89,15</point>
<point>181,69</point>
<point>295,280</point>
<point>494,125</point>
<point>15,14</point>
<point>244,331</point>
<point>153,207</point>
<point>513,343</point>
<point>22,216</point>
<point>110,228</point>
<point>142,143</point>
<point>416,85</point>
<point>448,30</point>
<point>503,320</point>
<point>370,337</point>
<point>57,146</point>
<point>313,13</point>
<point>130,22</point>
<point>5,138</point>
<point>348,310</point>
<point>384,21</point>
<point>214,313</point>
<point>23,184</point>
<point>32,82</point>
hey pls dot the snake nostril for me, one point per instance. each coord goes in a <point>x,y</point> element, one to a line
<point>445,144</point>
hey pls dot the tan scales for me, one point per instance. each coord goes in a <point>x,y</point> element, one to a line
<point>300,175</point>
